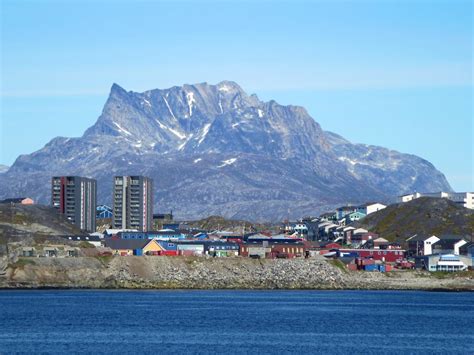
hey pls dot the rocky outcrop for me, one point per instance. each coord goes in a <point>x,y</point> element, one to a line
<point>210,273</point>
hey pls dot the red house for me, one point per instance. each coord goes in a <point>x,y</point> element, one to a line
<point>387,255</point>
<point>287,250</point>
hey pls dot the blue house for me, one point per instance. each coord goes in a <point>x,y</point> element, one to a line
<point>160,235</point>
<point>343,211</point>
<point>103,211</point>
<point>168,245</point>
<point>201,236</point>
<point>173,226</point>
<point>354,216</point>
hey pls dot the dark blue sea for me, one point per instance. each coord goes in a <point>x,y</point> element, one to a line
<point>273,322</point>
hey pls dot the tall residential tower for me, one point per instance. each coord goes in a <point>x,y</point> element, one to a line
<point>133,203</point>
<point>76,198</point>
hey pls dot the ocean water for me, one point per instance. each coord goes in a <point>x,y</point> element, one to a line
<point>273,322</point>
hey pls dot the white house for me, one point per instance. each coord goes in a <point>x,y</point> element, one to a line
<point>465,199</point>
<point>408,197</point>
<point>370,207</point>
<point>447,262</point>
<point>444,244</point>
<point>428,245</point>
<point>301,228</point>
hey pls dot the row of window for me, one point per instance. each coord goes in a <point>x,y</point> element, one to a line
<point>385,252</point>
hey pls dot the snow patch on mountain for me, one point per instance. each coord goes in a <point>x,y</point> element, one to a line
<point>182,145</point>
<point>204,133</point>
<point>169,108</point>
<point>123,130</point>
<point>177,134</point>
<point>350,161</point>
<point>191,101</point>
<point>227,162</point>
<point>224,88</point>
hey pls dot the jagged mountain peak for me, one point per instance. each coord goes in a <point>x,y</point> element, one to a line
<point>182,119</point>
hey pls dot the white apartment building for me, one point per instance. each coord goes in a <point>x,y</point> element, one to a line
<point>465,199</point>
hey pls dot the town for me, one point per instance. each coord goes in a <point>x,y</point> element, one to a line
<point>132,229</point>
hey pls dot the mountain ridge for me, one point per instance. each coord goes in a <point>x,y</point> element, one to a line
<point>214,149</point>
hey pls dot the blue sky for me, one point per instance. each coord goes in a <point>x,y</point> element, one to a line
<point>391,73</point>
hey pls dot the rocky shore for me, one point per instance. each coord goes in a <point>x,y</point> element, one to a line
<point>211,273</point>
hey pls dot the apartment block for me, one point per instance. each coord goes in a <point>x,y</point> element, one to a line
<point>75,197</point>
<point>133,203</point>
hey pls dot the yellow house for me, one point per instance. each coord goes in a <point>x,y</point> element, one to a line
<point>152,247</point>
<point>125,247</point>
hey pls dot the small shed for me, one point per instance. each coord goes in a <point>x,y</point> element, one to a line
<point>71,252</point>
<point>381,243</point>
<point>50,252</point>
<point>28,252</point>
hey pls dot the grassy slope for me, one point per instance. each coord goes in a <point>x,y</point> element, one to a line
<point>423,216</point>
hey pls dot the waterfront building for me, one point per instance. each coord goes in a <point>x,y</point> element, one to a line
<point>443,262</point>
<point>133,203</point>
<point>75,197</point>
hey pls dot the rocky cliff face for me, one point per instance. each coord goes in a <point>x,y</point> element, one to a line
<point>213,149</point>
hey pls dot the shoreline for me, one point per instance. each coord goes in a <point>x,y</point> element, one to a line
<point>187,273</point>
<point>60,288</point>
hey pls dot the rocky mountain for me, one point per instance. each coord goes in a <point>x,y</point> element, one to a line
<point>3,168</point>
<point>214,150</point>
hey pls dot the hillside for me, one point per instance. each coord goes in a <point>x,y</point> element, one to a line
<point>423,216</point>
<point>22,222</point>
